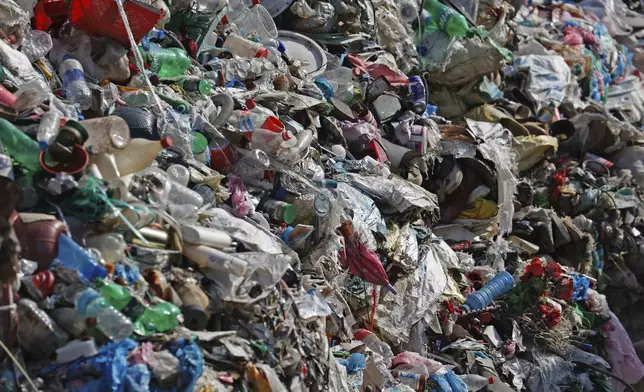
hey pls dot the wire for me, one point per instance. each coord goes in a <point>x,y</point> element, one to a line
<point>606,373</point>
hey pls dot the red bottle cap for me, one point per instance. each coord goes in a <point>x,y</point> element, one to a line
<point>361,334</point>
<point>166,142</point>
<point>250,103</point>
<point>261,53</point>
<point>490,380</point>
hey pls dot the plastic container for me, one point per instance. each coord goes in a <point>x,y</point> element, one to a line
<point>474,382</point>
<point>37,332</point>
<point>139,154</point>
<point>72,255</point>
<point>106,134</point>
<point>236,8</point>
<point>256,23</point>
<point>75,85</point>
<point>499,285</point>
<point>48,128</point>
<point>110,321</point>
<point>30,95</point>
<point>76,349</point>
<point>446,19</point>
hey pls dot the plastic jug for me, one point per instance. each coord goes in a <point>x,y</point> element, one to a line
<point>499,285</point>
<point>139,154</point>
<point>106,134</point>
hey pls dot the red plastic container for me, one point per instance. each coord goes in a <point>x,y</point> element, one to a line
<point>102,18</point>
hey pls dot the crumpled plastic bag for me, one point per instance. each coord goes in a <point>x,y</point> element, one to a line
<point>417,293</point>
<point>531,149</point>
<point>626,364</point>
<point>548,79</point>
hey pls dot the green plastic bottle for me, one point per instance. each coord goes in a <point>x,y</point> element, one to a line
<point>169,62</point>
<point>160,317</point>
<point>22,149</point>
<point>445,18</point>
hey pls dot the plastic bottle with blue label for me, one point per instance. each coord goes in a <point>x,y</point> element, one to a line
<point>76,88</point>
<point>114,324</point>
<point>499,285</point>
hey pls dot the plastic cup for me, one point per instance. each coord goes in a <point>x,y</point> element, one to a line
<point>257,23</point>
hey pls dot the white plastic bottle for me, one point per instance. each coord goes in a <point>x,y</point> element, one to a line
<point>139,154</point>
<point>475,382</point>
<point>76,88</point>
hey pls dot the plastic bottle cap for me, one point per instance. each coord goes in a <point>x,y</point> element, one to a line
<point>166,142</point>
<point>280,46</point>
<point>261,53</point>
<point>84,300</point>
<point>285,235</point>
<point>67,56</point>
<point>250,103</point>
<point>288,213</point>
<point>286,136</point>
<point>199,143</point>
<point>43,144</point>
<point>490,380</point>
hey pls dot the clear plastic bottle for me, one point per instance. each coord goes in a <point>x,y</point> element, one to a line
<point>373,343</point>
<point>31,94</point>
<point>76,88</point>
<point>114,324</point>
<point>36,45</point>
<point>174,192</point>
<point>106,134</point>
<point>37,332</point>
<point>179,174</point>
<point>139,154</point>
<point>474,382</point>
<point>111,245</point>
<point>48,128</point>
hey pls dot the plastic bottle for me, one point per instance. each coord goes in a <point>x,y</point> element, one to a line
<point>446,19</point>
<point>373,343</point>
<point>36,45</point>
<point>273,143</point>
<point>48,128</point>
<point>160,317</point>
<point>408,10</point>
<point>179,174</point>
<point>19,146</point>
<point>278,211</point>
<point>37,332</point>
<point>106,134</point>
<point>139,154</point>
<point>177,194</point>
<point>499,285</point>
<point>254,117</point>
<point>30,95</point>
<point>72,255</point>
<point>202,86</point>
<point>76,88</point>
<point>474,382</point>
<point>169,62</point>
<point>275,49</point>
<point>240,46</point>
<point>110,321</point>
<point>111,245</point>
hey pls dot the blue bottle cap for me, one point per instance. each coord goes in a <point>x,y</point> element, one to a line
<point>285,235</point>
<point>43,144</point>
<point>67,56</point>
<point>280,46</point>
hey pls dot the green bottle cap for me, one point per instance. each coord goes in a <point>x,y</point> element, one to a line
<point>199,143</point>
<point>205,87</point>
<point>288,213</point>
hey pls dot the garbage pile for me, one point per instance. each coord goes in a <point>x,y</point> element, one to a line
<point>300,195</point>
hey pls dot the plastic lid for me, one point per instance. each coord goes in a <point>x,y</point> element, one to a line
<point>166,142</point>
<point>67,56</point>
<point>250,103</point>
<point>43,144</point>
<point>285,235</point>
<point>288,213</point>
<point>280,46</point>
<point>199,143</point>
<point>84,299</point>
<point>490,380</point>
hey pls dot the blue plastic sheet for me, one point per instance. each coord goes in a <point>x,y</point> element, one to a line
<point>138,378</point>
<point>191,362</point>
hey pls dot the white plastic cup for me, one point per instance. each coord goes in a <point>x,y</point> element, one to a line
<point>257,22</point>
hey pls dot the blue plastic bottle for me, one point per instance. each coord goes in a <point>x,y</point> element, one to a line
<point>74,256</point>
<point>499,285</point>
